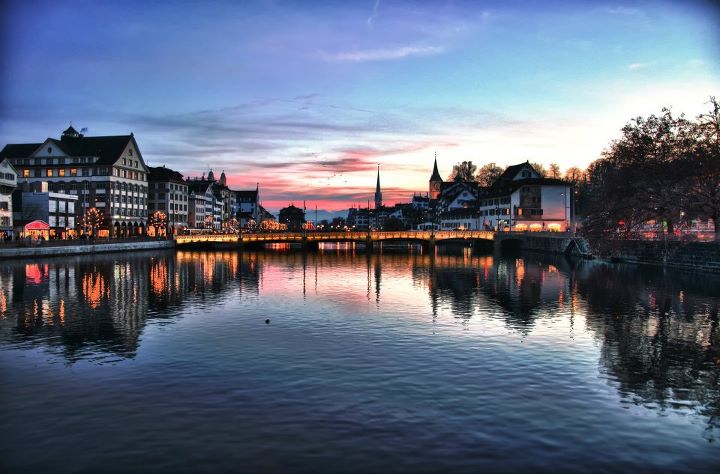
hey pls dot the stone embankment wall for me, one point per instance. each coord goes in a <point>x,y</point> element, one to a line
<point>49,251</point>
<point>704,256</point>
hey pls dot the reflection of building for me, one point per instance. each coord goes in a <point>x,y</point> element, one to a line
<point>58,210</point>
<point>107,172</point>
<point>168,192</point>
<point>8,182</point>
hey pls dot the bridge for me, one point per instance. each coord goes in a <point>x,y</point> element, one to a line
<point>552,242</point>
<point>318,237</point>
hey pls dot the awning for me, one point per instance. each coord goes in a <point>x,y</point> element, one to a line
<point>37,225</point>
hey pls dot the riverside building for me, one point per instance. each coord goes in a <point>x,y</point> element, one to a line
<point>105,172</point>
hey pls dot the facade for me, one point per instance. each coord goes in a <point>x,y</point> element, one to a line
<point>168,192</point>
<point>57,210</point>
<point>202,203</point>
<point>8,183</point>
<point>248,207</point>
<point>522,200</point>
<point>106,172</point>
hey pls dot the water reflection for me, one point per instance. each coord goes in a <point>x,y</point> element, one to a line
<point>657,332</point>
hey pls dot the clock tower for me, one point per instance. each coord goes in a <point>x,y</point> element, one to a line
<point>435,181</point>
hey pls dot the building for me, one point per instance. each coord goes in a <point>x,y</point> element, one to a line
<point>248,209</point>
<point>202,206</point>
<point>8,183</point>
<point>293,217</point>
<point>44,213</point>
<point>435,183</point>
<point>105,172</point>
<point>522,200</point>
<point>168,192</point>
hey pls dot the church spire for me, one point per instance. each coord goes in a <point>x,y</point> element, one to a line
<point>435,181</point>
<point>378,193</point>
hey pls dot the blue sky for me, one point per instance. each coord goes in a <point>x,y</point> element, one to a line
<point>306,98</point>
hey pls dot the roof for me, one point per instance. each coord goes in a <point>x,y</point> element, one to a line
<point>497,191</point>
<point>163,174</point>
<point>435,174</point>
<point>247,194</point>
<point>108,148</point>
<point>198,185</point>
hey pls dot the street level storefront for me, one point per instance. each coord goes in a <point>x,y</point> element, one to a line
<point>36,230</point>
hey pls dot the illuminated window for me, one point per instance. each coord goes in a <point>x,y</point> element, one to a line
<point>73,171</point>
<point>49,172</point>
<point>61,172</point>
<point>26,173</point>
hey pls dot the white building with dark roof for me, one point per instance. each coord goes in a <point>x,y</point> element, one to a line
<point>106,172</point>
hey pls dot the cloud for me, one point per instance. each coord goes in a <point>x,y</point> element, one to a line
<point>383,54</point>
<point>636,66</point>
<point>374,14</point>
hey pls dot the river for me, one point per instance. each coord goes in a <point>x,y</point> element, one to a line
<point>280,361</point>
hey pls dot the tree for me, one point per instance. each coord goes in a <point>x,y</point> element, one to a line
<point>540,168</point>
<point>209,222</point>
<point>574,175</point>
<point>464,171</point>
<point>393,224</point>
<point>488,174</point>
<point>93,219</point>
<point>232,225</point>
<point>553,171</point>
<point>704,190</point>
<point>641,177</point>
<point>158,220</point>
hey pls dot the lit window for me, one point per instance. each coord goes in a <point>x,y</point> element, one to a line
<point>73,171</point>
<point>61,172</point>
<point>26,173</point>
<point>49,172</point>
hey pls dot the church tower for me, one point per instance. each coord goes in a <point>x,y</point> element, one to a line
<point>435,182</point>
<point>378,194</point>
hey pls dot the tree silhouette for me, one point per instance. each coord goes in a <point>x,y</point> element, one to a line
<point>464,171</point>
<point>158,220</point>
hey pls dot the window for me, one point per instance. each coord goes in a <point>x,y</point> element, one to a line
<point>73,171</point>
<point>49,172</point>
<point>3,206</point>
<point>52,205</point>
<point>49,150</point>
<point>26,173</point>
<point>61,172</point>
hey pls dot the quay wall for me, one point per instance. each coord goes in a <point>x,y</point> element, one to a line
<point>701,256</point>
<point>82,249</point>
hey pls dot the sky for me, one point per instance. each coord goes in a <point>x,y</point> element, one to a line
<point>308,98</point>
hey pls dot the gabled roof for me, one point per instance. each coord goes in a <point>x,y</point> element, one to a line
<point>199,186</point>
<point>108,148</point>
<point>500,190</point>
<point>20,150</point>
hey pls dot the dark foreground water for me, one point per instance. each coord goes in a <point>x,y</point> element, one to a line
<point>163,362</point>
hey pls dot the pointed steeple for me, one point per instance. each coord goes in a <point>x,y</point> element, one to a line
<point>435,174</point>
<point>378,193</point>
<point>435,181</point>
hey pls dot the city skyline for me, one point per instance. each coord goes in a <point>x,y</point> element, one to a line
<point>308,100</point>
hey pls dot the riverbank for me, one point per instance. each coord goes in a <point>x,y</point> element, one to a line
<point>697,256</point>
<point>49,250</point>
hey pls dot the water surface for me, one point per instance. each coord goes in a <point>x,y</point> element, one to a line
<point>164,362</point>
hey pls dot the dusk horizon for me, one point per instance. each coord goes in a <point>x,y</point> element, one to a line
<point>307,101</point>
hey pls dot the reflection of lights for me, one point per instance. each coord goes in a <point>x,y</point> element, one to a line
<point>159,278</point>
<point>519,270</point>
<point>35,272</point>
<point>61,312</point>
<point>3,303</point>
<point>94,289</point>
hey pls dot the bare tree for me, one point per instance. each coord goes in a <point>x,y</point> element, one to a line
<point>553,171</point>
<point>488,174</point>
<point>464,171</point>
